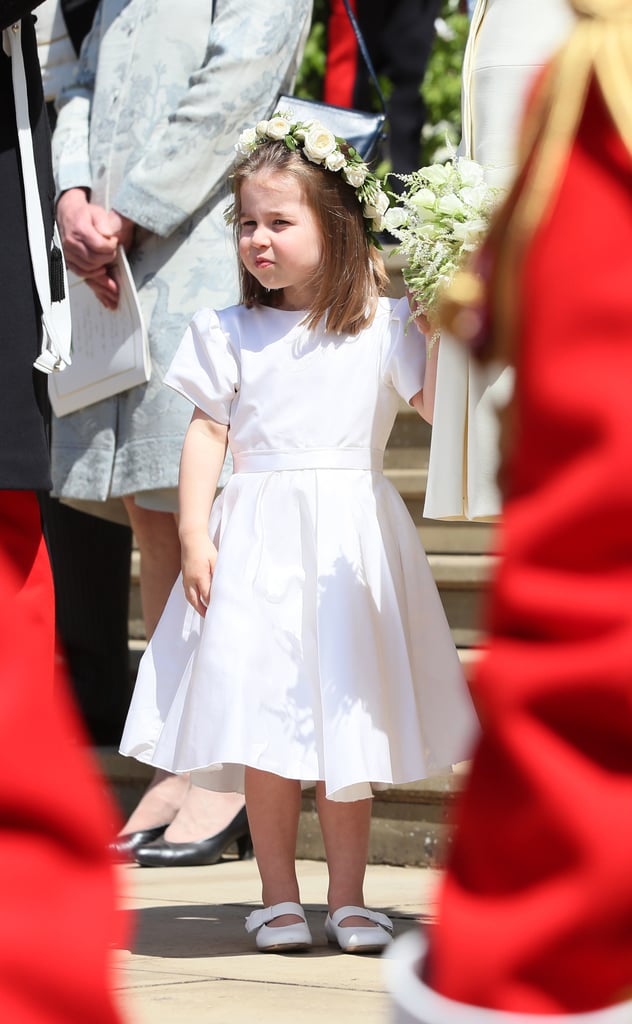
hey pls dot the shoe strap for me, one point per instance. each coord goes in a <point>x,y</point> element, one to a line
<point>259,917</point>
<point>371,915</point>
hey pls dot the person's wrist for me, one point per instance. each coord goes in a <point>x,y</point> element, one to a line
<point>189,535</point>
<point>73,197</point>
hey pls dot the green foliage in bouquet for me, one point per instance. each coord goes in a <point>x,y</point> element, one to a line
<point>440,218</point>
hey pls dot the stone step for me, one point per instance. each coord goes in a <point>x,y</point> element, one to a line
<point>411,825</point>
<point>409,479</point>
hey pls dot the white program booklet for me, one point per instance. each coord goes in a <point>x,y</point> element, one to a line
<point>110,348</point>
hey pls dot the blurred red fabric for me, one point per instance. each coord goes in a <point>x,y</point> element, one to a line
<point>59,915</point>
<point>535,915</point>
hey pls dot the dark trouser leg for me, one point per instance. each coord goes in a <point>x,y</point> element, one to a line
<point>91,564</point>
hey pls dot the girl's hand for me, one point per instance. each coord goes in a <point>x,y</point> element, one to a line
<point>199,556</point>
<point>420,318</point>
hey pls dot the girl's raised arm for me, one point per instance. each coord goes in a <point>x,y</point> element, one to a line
<point>200,466</point>
<point>424,400</point>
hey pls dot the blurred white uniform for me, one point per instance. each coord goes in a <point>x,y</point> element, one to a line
<point>508,43</point>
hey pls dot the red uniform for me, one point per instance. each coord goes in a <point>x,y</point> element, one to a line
<point>58,918</point>
<point>536,912</point>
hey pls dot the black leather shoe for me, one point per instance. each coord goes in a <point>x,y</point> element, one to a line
<point>122,848</point>
<point>163,854</point>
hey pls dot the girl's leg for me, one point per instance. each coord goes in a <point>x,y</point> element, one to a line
<point>156,534</point>
<point>345,828</point>
<point>274,805</point>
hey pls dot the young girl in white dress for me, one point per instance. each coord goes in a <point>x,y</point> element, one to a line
<point>306,642</point>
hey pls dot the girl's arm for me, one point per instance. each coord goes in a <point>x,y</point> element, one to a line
<point>424,400</point>
<point>200,466</point>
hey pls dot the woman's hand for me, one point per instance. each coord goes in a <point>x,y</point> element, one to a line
<point>105,286</point>
<point>199,556</point>
<point>88,241</point>
<point>123,228</point>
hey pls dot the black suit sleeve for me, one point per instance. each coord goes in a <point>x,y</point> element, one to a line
<point>14,10</point>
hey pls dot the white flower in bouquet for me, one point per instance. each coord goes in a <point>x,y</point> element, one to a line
<point>442,215</point>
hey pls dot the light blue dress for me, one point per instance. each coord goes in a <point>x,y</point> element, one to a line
<point>149,126</point>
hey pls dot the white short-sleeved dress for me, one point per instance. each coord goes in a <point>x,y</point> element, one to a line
<point>325,653</point>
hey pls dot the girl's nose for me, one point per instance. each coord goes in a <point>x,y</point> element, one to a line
<point>260,236</point>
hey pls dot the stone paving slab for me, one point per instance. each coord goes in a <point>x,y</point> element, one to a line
<point>190,960</point>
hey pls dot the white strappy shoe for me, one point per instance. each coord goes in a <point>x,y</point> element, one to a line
<point>287,938</point>
<point>357,939</point>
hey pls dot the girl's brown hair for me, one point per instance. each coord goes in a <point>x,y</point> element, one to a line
<point>352,276</point>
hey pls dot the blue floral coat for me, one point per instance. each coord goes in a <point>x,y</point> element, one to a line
<point>149,126</point>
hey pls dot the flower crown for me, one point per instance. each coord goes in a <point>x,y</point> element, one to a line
<point>321,146</point>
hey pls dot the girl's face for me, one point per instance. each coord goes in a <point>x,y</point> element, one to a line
<point>280,240</point>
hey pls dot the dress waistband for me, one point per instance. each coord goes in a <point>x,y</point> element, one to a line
<point>308,458</point>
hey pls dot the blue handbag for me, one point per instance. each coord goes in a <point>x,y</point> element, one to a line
<point>363,130</point>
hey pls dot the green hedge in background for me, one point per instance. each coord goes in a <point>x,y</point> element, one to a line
<point>441,88</point>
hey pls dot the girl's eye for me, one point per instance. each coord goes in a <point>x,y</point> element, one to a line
<point>280,221</point>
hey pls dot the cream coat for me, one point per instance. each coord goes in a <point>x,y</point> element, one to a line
<point>509,41</point>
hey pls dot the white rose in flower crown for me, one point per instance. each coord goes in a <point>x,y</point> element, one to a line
<point>355,174</point>
<point>376,207</point>
<point>335,161</point>
<point>246,141</point>
<point>319,143</point>
<point>278,128</point>
<point>261,129</point>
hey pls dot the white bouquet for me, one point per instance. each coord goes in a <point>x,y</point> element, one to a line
<point>441,216</point>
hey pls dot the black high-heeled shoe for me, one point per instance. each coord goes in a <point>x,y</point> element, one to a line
<point>163,854</point>
<point>122,848</point>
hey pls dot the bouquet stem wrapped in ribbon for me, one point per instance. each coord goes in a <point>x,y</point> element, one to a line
<point>441,217</point>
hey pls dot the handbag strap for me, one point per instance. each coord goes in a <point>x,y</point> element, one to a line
<point>55,344</point>
<point>365,53</point>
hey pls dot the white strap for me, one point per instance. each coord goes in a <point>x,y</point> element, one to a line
<point>371,915</point>
<point>56,326</point>
<point>259,917</point>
